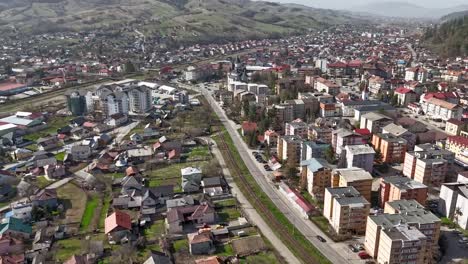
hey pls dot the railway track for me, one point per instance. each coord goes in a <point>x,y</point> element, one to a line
<point>299,250</point>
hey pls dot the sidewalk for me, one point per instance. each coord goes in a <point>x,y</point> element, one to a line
<point>251,213</point>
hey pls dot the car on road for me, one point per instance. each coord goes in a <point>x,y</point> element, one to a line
<point>353,249</point>
<point>364,255</point>
<point>321,239</point>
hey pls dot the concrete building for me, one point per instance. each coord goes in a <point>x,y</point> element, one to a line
<point>327,86</point>
<point>360,156</point>
<point>317,173</point>
<point>402,244</point>
<point>289,148</point>
<point>391,147</point>
<point>454,127</point>
<point>323,134</point>
<point>427,167</point>
<point>346,210</point>
<point>296,128</point>
<point>408,213</point>
<point>405,96</point>
<point>312,149</point>
<point>344,137</point>
<point>399,131</point>
<point>358,178</point>
<point>440,109</point>
<point>374,122</point>
<point>453,202</point>
<point>459,146</point>
<point>401,188</point>
<point>139,99</point>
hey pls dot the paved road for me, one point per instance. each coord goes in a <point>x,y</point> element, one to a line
<point>251,213</point>
<point>335,252</point>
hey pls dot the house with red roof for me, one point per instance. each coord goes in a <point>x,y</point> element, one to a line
<point>118,227</point>
<point>406,96</point>
<point>297,200</point>
<point>248,127</point>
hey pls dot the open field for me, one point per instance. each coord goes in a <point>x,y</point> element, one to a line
<point>89,212</point>
<point>74,200</point>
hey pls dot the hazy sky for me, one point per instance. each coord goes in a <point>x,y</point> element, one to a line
<point>343,4</point>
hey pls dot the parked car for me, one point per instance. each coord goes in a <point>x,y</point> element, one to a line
<point>321,239</point>
<point>364,255</point>
<point>353,249</point>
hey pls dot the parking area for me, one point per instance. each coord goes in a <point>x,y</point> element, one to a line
<point>454,250</point>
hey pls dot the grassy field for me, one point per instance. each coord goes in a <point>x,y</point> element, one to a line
<point>89,211</point>
<point>60,156</point>
<point>225,203</point>
<point>67,248</point>
<point>180,245</point>
<point>53,124</point>
<point>74,200</point>
<point>156,230</point>
<point>201,152</point>
<point>42,182</point>
<point>224,250</point>
<point>103,213</point>
<point>228,214</point>
<point>271,206</point>
<point>321,222</point>
<point>170,174</point>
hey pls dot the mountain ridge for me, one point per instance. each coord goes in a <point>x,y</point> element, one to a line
<point>168,18</point>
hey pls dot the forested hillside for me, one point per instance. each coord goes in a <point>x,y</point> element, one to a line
<point>450,38</point>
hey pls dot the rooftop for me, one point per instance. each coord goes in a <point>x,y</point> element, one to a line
<point>375,116</point>
<point>354,174</point>
<point>403,183</point>
<point>359,149</point>
<point>347,196</point>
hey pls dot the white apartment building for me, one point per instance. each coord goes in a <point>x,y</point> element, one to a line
<point>453,202</point>
<point>360,156</point>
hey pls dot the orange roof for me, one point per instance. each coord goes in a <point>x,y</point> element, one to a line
<point>442,103</point>
<point>209,260</point>
<point>132,170</point>
<point>249,126</point>
<point>117,219</point>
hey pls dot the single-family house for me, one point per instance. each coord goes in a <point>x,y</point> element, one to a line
<point>118,227</point>
<point>13,259</point>
<point>15,228</point>
<point>157,257</point>
<point>21,210</point>
<point>195,214</point>
<point>10,245</point>
<point>80,152</point>
<point>54,171</point>
<point>46,198</point>
<point>117,120</point>
<point>201,242</point>
<point>6,192</point>
<point>212,186</point>
<point>191,179</point>
<point>47,143</point>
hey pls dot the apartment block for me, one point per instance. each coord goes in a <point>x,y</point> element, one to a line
<point>407,213</point>
<point>358,178</point>
<point>289,148</point>
<point>401,188</point>
<point>429,166</point>
<point>296,128</point>
<point>453,202</point>
<point>323,134</point>
<point>391,147</point>
<point>346,210</point>
<point>458,145</point>
<point>374,121</point>
<point>312,149</point>
<point>399,131</point>
<point>317,174</point>
<point>360,156</point>
<point>344,137</point>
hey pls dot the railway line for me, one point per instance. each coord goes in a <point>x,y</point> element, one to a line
<point>299,249</point>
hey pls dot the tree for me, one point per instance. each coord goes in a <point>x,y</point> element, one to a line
<point>330,155</point>
<point>394,100</point>
<point>129,67</point>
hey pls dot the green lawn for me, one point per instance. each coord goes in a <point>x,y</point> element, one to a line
<point>225,203</point>
<point>88,214</point>
<point>105,208</point>
<point>53,123</point>
<point>321,222</point>
<point>313,251</point>
<point>42,182</point>
<point>156,230</point>
<point>67,248</point>
<point>201,152</point>
<point>224,250</point>
<point>228,214</point>
<point>60,156</point>
<point>180,245</point>
<point>170,174</point>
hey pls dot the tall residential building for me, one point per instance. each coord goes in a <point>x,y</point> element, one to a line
<point>437,108</point>
<point>407,213</point>
<point>360,156</point>
<point>76,103</point>
<point>312,149</point>
<point>399,131</point>
<point>391,147</point>
<point>140,99</point>
<point>296,128</point>
<point>358,178</point>
<point>401,188</point>
<point>428,166</point>
<point>346,210</point>
<point>459,146</point>
<point>317,175</point>
<point>344,137</point>
<point>323,134</point>
<point>289,148</point>
<point>453,202</point>
<point>374,121</point>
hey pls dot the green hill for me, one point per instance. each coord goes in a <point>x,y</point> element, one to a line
<point>179,19</point>
<point>450,38</point>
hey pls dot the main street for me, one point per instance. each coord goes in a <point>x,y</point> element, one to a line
<point>335,252</point>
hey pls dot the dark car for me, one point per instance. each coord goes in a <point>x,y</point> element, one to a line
<point>353,249</point>
<point>321,239</point>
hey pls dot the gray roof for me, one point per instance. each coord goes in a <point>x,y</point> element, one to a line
<point>359,149</point>
<point>347,196</point>
<point>354,174</point>
<point>375,116</point>
<point>404,183</point>
<point>395,129</point>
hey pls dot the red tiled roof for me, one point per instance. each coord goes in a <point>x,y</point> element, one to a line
<point>249,126</point>
<point>403,90</point>
<point>459,140</point>
<point>362,131</point>
<point>11,86</point>
<point>118,219</point>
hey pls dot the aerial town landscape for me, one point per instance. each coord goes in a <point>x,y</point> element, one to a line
<point>212,132</point>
